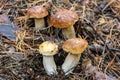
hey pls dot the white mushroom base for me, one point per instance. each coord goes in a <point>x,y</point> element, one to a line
<point>49,65</point>
<point>70,62</point>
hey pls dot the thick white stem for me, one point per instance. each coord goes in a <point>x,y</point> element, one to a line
<point>49,65</point>
<point>39,24</point>
<point>70,62</point>
<point>69,32</point>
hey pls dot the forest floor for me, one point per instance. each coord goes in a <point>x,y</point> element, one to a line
<point>98,23</point>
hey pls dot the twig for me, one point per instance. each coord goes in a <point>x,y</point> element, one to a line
<point>108,47</point>
<point>108,4</point>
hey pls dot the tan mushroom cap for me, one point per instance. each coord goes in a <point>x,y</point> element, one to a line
<point>75,45</point>
<point>37,12</point>
<point>63,18</point>
<point>48,48</point>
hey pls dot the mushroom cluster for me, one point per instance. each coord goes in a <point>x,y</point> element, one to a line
<point>74,46</point>
<point>64,19</point>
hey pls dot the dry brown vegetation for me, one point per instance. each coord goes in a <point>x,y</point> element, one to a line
<point>99,24</point>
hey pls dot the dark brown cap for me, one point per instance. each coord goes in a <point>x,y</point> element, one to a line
<point>37,12</point>
<point>63,18</point>
<point>75,45</point>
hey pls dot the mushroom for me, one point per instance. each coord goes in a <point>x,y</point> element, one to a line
<point>48,49</point>
<point>38,13</point>
<point>75,47</point>
<point>65,19</point>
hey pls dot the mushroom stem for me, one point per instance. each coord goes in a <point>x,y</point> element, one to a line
<point>39,23</point>
<point>49,65</point>
<point>70,62</point>
<point>69,32</point>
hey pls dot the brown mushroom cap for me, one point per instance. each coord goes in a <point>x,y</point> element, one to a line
<point>48,48</point>
<point>37,12</point>
<point>75,45</point>
<point>63,18</point>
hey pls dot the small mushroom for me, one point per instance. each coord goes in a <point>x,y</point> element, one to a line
<point>65,19</point>
<point>38,13</point>
<point>75,47</point>
<point>48,49</point>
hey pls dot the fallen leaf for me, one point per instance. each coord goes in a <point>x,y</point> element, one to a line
<point>7,28</point>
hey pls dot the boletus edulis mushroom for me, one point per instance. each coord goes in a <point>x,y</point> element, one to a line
<point>74,47</point>
<point>48,49</point>
<point>38,13</point>
<point>65,19</point>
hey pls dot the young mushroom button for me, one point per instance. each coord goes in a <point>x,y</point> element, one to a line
<point>38,13</point>
<point>75,47</point>
<point>65,19</point>
<point>48,49</point>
